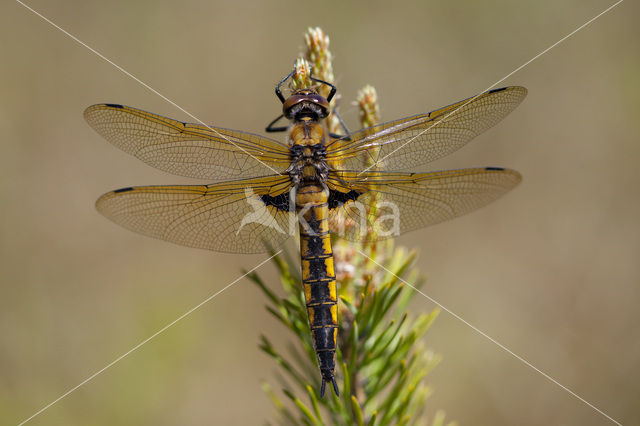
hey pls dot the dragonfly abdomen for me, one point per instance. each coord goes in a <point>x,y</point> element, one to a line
<point>318,277</point>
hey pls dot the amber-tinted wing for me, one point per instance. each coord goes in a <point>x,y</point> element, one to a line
<point>411,142</point>
<point>230,217</point>
<point>408,201</point>
<point>187,149</point>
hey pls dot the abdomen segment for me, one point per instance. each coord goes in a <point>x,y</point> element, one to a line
<point>318,277</point>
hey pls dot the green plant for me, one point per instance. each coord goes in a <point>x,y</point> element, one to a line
<point>381,360</point>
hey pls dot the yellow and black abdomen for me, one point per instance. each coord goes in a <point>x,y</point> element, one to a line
<point>318,276</point>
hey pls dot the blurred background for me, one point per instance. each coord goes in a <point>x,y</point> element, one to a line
<point>550,271</point>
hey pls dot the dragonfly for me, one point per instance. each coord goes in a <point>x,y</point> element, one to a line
<point>316,182</point>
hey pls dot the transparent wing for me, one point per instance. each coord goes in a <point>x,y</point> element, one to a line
<point>232,217</point>
<point>414,141</point>
<point>187,149</point>
<point>404,202</point>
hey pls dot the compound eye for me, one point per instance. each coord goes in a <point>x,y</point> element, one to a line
<point>290,102</point>
<point>322,102</point>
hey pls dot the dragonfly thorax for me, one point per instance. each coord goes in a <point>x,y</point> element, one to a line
<point>306,109</point>
<point>308,163</point>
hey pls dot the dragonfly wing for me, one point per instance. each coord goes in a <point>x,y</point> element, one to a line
<point>244,216</point>
<point>414,141</point>
<point>187,149</point>
<point>408,201</point>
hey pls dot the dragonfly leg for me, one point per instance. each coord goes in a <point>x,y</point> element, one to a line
<point>270,128</point>
<point>333,88</point>
<point>278,92</point>
<point>346,137</point>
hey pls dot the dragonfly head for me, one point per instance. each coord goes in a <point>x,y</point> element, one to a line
<point>306,103</point>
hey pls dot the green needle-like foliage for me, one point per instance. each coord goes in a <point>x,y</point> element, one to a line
<point>381,360</point>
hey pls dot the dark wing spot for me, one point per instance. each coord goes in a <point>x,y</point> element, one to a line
<point>497,90</point>
<point>494,168</point>
<point>114,105</point>
<point>117,191</point>
<point>280,202</point>
<point>337,198</point>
